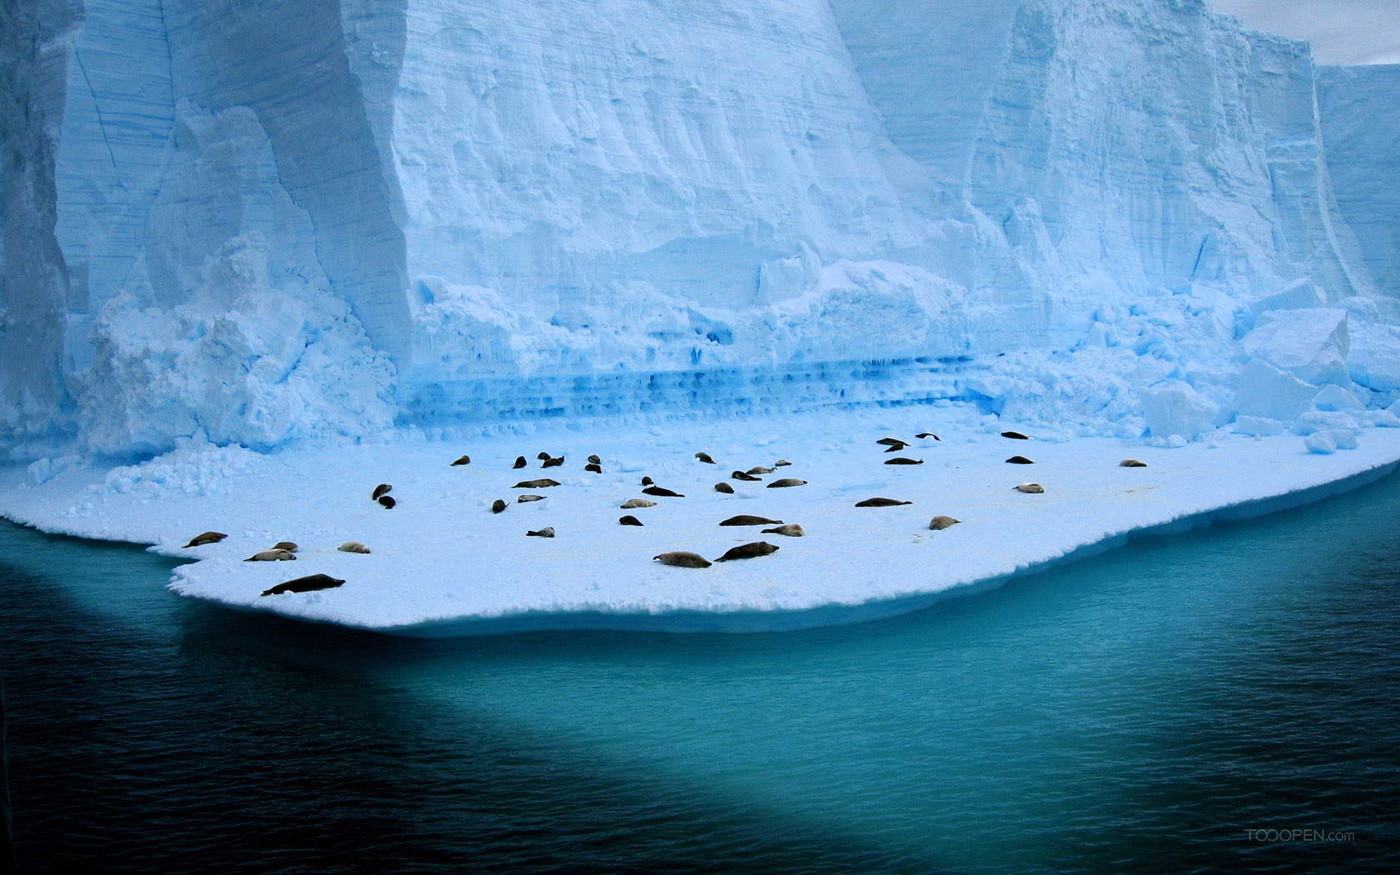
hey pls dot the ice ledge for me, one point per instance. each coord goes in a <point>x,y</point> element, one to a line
<point>444,565</point>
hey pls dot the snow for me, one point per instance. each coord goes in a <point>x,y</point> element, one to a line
<point>444,564</point>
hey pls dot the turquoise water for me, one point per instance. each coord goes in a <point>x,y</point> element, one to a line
<point>1138,711</point>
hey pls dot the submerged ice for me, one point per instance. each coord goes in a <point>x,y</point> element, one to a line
<point>259,224</point>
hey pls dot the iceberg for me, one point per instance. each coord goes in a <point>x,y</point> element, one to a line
<point>238,232</point>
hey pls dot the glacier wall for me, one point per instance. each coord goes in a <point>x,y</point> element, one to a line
<point>1360,114</point>
<point>296,218</point>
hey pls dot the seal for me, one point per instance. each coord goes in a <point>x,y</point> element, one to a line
<point>593,468</point>
<point>553,462</point>
<point>759,469</point>
<point>633,503</point>
<point>462,460</point>
<point>497,506</point>
<point>273,555</point>
<point>647,481</point>
<point>379,491</point>
<point>546,532</point>
<point>353,547</point>
<point>781,463</point>
<point>1033,488</point>
<point>740,475</point>
<point>925,435</point>
<point>903,460</point>
<point>387,502</point>
<point>785,482</point>
<point>744,519</point>
<point>305,584</point>
<point>1019,460</point>
<point>519,463</point>
<point>1014,435</point>
<point>628,520</point>
<point>662,491</point>
<point>748,551</point>
<point>542,456</point>
<point>792,530</point>
<point>939,523</point>
<point>286,545</point>
<point>595,459</point>
<point>1132,463</point>
<point>206,538</point>
<point>682,559</point>
<point>527,498</point>
<point>725,488</point>
<point>705,457</point>
<point>893,442</point>
<point>881,502</point>
<point>543,483</point>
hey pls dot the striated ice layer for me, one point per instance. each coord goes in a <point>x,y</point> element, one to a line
<point>303,218</point>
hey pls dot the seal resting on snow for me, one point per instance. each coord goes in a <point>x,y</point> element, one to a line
<point>748,551</point>
<point>759,469</point>
<point>785,482</point>
<point>380,491</point>
<point>305,584</point>
<point>1014,435</point>
<point>632,503</point>
<point>939,523</point>
<point>740,475</point>
<point>881,502</point>
<point>893,442</point>
<point>527,498</point>
<point>1132,463</point>
<point>682,559</point>
<point>1030,487</point>
<point>628,520</point>
<point>1019,460</point>
<point>595,459</point>
<point>463,460</point>
<point>903,460</point>
<point>289,546</point>
<point>546,532</point>
<point>744,519</point>
<point>536,484</point>
<point>353,547</point>
<point>925,435</point>
<point>725,488</point>
<point>519,463</point>
<point>497,506</point>
<point>273,555</point>
<point>553,462</point>
<point>792,530</point>
<point>662,491</point>
<point>593,468</point>
<point>387,502</point>
<point>705,457</point>
<point>206,538</point>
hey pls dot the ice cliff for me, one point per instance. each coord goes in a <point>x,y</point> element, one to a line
<point>297,218</point>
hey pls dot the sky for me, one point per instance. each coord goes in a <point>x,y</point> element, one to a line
<point>1341,31</point>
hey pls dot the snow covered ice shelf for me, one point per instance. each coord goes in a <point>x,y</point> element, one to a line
<point>444,564</point>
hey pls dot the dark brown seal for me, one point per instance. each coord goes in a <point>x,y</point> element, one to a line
<point>497,506</point>
<point>628,520</point>
<point>543,483</point>
<point>379,491</point>
<point>786,482</point>
<point>893,442</point>
<point>273,555</point>
<point>387,502</point>
<point>206,538</point>
<point>740,475</point>
<point>1019,460</point>
<point>881,502</point>
<point>1132,463</point>
<point>462,460</point>
<point>1014,435</point>
<point>903,460</point>
<point>748,551</point>
<point>593,468</point>
<point>662,491</point>
<point>744,519</point>
<point>705,457</point>
<point>286,545</point>
<point>519,463</point>
<point>553,462</point>
<point>305,584</point>
<point>725,488</point>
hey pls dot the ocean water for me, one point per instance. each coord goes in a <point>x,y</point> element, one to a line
<point>1142,711</point>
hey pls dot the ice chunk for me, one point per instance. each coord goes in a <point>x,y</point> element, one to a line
<point>1175,408</point>
<point>1312,343</point>
<point>1265,391</point>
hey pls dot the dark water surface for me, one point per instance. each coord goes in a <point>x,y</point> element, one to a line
<point>1139,711</point>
